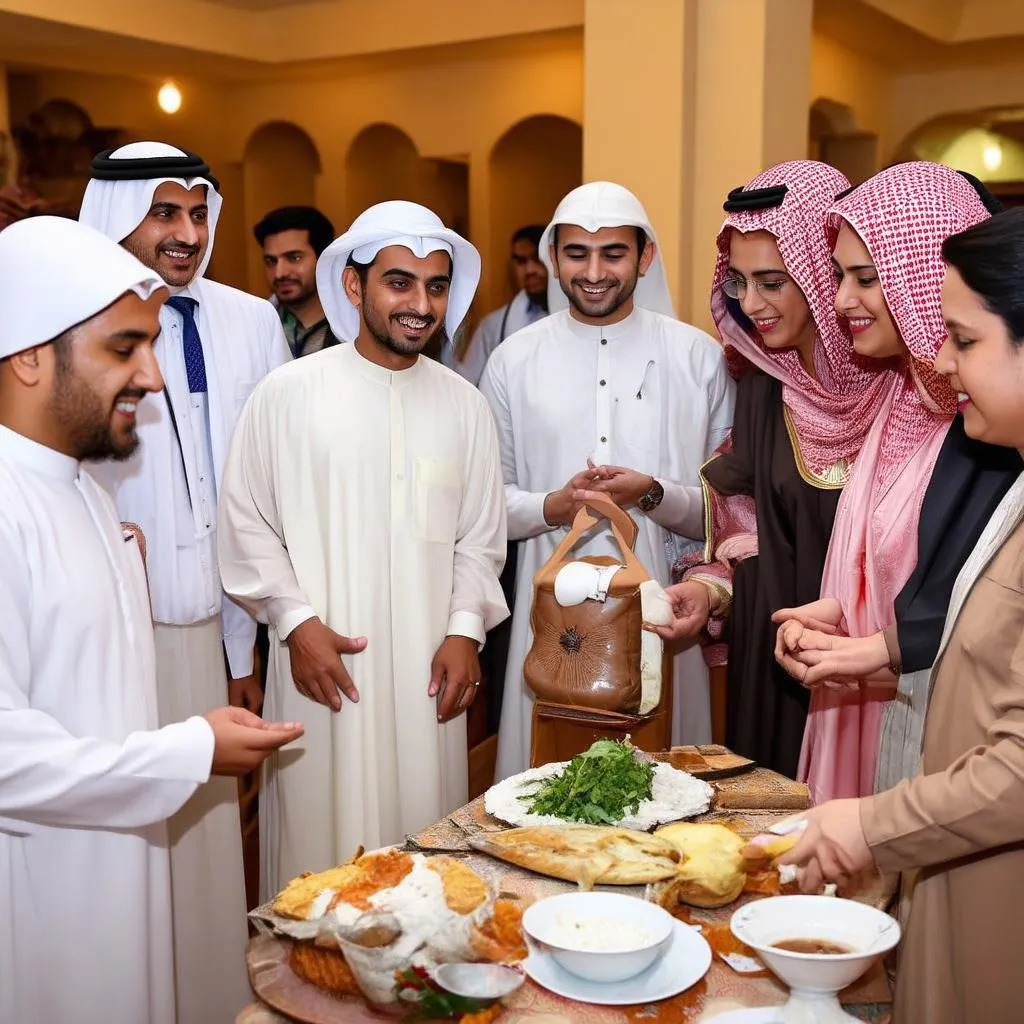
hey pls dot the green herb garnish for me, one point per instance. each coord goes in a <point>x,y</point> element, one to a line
<point>598,787</point>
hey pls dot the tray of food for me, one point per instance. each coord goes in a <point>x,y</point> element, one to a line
<point>707,761</point>
<point>612,783</point>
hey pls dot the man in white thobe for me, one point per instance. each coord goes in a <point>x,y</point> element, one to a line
<point>363,517</point>
<point>87,778</point>
<point>216,342</point>
<point>610,393</point>
<point>527,306</point>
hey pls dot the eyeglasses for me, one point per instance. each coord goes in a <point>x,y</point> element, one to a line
<point>736,287</point>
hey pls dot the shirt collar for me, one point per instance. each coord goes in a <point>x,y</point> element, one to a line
<point>610,332</point>
<point>37,457</point>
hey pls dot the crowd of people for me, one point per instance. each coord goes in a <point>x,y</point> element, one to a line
<point>831,492</point>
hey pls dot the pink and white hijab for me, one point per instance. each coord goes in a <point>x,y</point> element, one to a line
<point>903,215</point>
<point>831,416</point>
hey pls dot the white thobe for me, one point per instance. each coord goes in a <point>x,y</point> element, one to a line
<point>372,499</point>
<point>86,778</point>
<point>492,330</point>
<point>651,394</point>
<point>165,487</point>
<point>169,487</point>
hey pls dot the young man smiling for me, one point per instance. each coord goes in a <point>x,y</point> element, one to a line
<point>610,393</point>
<point>162,205</point>
<point>363,518</point>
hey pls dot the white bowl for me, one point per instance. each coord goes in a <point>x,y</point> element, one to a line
<point>479,981</point>
<point>869,932</point>
<point>543,921</point>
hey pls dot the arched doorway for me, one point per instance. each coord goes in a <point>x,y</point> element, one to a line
<point>532,166</point>
<point>836,138</point>
<point>383,163</point>
<point>280,166</point>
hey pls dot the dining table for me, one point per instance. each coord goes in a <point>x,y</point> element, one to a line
<point>749,803</point>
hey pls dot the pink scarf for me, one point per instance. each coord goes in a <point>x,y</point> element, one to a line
<point>831,416</point>
<point>903,215</point>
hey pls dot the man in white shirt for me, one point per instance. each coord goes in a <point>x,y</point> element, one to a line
<point>87,778</point>
<point>529,305</point>
<point>609,393</point>
<point>362,516</point>
<point>216,343</point>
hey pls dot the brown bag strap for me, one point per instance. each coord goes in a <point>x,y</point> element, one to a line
<point>592,511</point>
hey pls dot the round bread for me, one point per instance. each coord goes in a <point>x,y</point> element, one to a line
<point>712,872</point>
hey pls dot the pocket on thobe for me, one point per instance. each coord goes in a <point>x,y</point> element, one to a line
<point>242,393</point>
<point>437,496</point>
<point>637,417</point>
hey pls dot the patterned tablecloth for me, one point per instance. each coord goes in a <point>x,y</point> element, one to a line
<point>748,803</point>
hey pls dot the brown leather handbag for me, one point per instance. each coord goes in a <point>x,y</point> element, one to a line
<point>588,655</point>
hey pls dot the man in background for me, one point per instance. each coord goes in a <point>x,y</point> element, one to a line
<point>529,305</point>
<point>293,238</point>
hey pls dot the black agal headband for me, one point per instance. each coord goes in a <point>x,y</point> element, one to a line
<point>135,168</point>
<point>741,199</point>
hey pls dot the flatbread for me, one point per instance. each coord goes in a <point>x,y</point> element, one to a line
<point>713,872</point>
<point>588,855</point>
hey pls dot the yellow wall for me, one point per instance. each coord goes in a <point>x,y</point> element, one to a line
<point>454,105</point>
<point>854,80</point>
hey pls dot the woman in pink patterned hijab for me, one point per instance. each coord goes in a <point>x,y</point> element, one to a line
<point>888,235</point>
<point>804,406</point>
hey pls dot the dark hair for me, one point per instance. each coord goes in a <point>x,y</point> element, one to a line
<point>641,238</point>
<point>362,269</point>
<point>990,259</point>
<point>988,200</point>
<point>531,233</point>
<point>297,218</point>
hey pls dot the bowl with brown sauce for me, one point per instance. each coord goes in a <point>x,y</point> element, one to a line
<point>817,945</point>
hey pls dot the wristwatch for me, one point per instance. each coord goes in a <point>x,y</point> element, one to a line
<point>651,498</point>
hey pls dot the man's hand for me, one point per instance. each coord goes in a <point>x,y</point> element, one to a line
<point>454,676</point>
<point>241,740</point>
<point>245,692</point>
<point>561,506</point>
<point>833,847</point>
<point>315,651</point>
<point>691,609</point>
<point>624,486</point>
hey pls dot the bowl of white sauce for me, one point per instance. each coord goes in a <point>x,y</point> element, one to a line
<point>599,936</point>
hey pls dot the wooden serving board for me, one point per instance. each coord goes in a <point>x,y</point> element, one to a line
<point>708,761</point>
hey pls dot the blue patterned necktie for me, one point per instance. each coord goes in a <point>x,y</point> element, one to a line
<point>195,365</point>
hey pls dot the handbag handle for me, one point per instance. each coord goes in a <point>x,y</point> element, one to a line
<point>592,511</point>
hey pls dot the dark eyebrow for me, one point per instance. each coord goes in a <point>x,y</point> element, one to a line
<point>856,266</point>
<point>603,248</point>
<point>954,324</point>
<point>408,275</point>
<point>173,207</point>
<point>132,334</point>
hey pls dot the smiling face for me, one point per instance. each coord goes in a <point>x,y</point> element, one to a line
<point>599,270</point>
<point>984,365</point>
<point>402,299</point>
<point>758,279</point>
<point>173,236</point>
<point>860,301</point>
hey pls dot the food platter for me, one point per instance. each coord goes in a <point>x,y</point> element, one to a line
<point>675,795</point>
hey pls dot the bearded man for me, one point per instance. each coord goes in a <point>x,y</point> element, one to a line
<point>610,393</point>
<point>362,517</point>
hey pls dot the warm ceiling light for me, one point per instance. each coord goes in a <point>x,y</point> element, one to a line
<point>169,98</point>
<point>992,155</point>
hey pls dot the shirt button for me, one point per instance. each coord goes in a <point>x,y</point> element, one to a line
<point>604,341</point>
<point>400,476</point>
<point>604,440</point>
<point>602,383</point>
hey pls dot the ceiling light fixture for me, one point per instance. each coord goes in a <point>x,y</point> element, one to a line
<point>169,98</point>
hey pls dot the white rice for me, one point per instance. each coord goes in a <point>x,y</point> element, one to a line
<point>674,795</point>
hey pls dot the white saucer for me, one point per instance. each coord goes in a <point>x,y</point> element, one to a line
<point>683,964</point>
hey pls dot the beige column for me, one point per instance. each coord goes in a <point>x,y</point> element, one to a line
<point>685,99</point>
<point>638,114</point>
